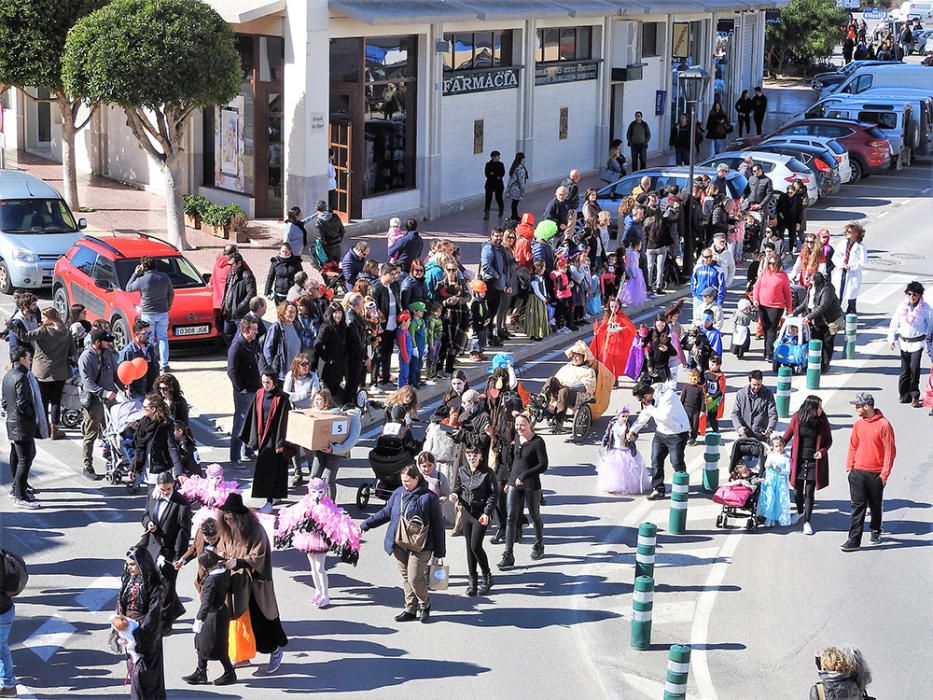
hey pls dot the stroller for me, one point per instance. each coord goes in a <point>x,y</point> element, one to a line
<point>395,449</point>
<point>120,423</point>
<point>790,348</point>
<point>71,403</point>
<point>739,498</point>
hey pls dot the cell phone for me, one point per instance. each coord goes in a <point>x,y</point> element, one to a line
<point>819,663</point>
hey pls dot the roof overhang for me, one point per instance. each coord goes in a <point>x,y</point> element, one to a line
<point>242,11</point>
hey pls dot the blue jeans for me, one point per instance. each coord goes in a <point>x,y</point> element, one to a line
<point>7,677</point>
<point>241,404</point>
<point>158,323</point>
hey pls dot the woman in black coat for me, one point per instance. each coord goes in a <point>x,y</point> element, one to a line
<point>792,215</point>
<point>140,599</point>
<point>330,349</point>
<point>528,461</point>
<point>264,432</point>
<point>475,489</point>
<point>169,389</point>
<point>821,308</point>
<point>156,451</point>
<point>413,287</point>
<point>282,270</point>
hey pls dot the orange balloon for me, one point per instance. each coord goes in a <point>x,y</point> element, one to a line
<point>126,372</point>
<point>140,367</point>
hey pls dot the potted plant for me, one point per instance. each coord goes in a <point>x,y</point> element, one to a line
<point>220,218</point>
<point>195,204</point>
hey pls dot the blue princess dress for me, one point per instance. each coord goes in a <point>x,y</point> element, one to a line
<point>774,500</point>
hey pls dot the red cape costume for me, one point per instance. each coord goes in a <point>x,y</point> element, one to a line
<point>612,349</point>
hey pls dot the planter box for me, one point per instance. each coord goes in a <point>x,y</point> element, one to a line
<point>219,231</point>
<point>193,221</point>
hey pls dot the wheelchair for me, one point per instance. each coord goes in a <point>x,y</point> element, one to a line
<point>581,414</point>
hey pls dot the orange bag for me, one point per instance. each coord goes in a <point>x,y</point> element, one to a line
<point>242,642</point>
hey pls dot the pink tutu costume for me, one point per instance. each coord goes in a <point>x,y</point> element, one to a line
<point>620,469</point>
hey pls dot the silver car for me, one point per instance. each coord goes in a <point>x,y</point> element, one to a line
<point>36,229</point>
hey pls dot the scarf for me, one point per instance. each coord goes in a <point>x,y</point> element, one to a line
<point>264,423</point>
<point>42,424</point>
<point>908,314</point>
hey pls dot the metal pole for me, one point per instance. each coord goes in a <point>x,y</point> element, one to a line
<point>680,489</point>
<point>851,335</point>
<point>678,667</point>
<point>688,239</point>
<point>711,459</point>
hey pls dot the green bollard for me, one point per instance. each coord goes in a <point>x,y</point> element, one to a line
<point>851,335</point>
<point>677,522</point>
<point>678,667</point>
<point>642,604</point>
<point>783,391</point>
<point>711,459</point>
<point>814,363</point>
<point>644,551</point>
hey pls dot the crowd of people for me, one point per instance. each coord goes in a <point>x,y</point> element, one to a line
<point>886,43</point>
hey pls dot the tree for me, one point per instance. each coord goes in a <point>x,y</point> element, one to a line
<point>32,41</point>
<point>159,60</point>
<point>809,29</point>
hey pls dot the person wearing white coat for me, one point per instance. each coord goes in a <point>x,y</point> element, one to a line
<point>296,235</point>
<point>849,260</point>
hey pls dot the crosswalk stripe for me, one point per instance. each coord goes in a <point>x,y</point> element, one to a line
<point>99,593</point>
<point>50,637</point>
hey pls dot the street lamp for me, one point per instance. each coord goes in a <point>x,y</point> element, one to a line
<point>693,81</point>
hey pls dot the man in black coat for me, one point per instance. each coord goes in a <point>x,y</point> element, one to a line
<point>167,522</point>
<point>759,107</point>
<point>357,341</point>
<point>25,421</point>
<point>330,230</point>
<point>243,371</point>
<point>387,294</point>
<point>239,290</point>
<point>494,186</point>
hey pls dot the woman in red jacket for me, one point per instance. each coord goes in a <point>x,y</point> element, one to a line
<point>772,297</point>
<point>809,458</point>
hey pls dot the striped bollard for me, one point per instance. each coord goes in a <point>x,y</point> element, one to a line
<point>783,391</point>
<point>678,667</point>
<point>677,523</point>
<point>814,363</point>
<point>711,458</point>
<point>642,604</point>
<point>851,335</point>
<point>644,551</point>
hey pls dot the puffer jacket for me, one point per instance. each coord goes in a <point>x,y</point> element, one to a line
<point>837,687</point>
<point>281,275</point>
<point>421,502</point>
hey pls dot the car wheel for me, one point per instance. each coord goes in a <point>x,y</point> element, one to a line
<point>857,170</point>
<point>5,285</point>
<point>60,302</point>
<point>121,333</point>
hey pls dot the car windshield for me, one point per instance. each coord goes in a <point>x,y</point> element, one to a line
<point>181,272</point>
<point>36,216</point>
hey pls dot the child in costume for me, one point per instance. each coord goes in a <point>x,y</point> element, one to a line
<point>634,292</point>
<point>419,339</point>
<point>406,348</point>
<point>480,320</point>
<point>711,332</point>
<point>741,327</point>
<point>636,356</point>
<point>609,278</point>
<point>774,500</point>
<point>715,380</point>
<point>563,296</point>
<point>394,233</point>
<point>613,338</point>
<point>212,621</point>
<point>580,285</point>
<point>536,318</point>
<point>620,468</point>
<point>210,491</point>
<point>316,525</point>
<point>693,397</point>
<point>434,334</point>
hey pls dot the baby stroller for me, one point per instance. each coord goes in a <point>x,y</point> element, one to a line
<point>739,498</point>
<point>392,453</point>
<point>790,348</point>
<point>71,403</point>
<point>120,422</point>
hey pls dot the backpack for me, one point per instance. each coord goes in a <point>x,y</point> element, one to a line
<point>15,574</point>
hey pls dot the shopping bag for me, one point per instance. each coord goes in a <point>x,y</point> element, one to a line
<point>242,641</point>
<point>438,575</point>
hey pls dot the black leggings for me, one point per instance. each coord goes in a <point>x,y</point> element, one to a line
<point>514,209</point>
<point>51,392</point>
<point>745,120</point>
<point>473,534</point>
<point>770,320</point>
<point>562,313</point>
<point>532,500</point>
<point>804,494</point>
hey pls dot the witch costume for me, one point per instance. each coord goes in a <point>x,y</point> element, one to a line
<point>140,599</point>
<point>264,432</point>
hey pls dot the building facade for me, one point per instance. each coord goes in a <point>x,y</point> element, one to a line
<point>410,97</point>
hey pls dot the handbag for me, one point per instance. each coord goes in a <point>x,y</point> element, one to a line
<point>438,575</point>
<point>412,533</point>
<point>241,644</point>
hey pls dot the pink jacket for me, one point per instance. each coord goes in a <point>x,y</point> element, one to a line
<point>773,290</point>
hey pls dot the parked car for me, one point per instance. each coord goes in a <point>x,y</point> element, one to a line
<point>894,119</point>
<point>610,196</point>
<point>820,161</point>
<point>869,150</point>
<point>36,228</point>
<point>95,273</point>
<point>782,169</point>
<point>840,154</point>
<point>893,76</point>
<point>821,81</point>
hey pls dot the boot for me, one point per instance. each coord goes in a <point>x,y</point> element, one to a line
<point>507,562</point>
<point>471,586</point>
<point>299,478</point>
<point>498,538</point>
<point>228,678</point>
<point>486,585</point>
<point>537,551</point>
<point>199,677</point>
<point>55,433</point>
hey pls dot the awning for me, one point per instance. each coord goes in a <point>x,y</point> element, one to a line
<point>240,11</point>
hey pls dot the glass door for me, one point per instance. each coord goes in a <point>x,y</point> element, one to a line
<point>346,143</point>
<point>270,201</point>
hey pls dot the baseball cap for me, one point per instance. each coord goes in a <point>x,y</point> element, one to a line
<point>101,334</point>
<point>719,236</point>
<point>863,398</point>
<point>708,292</point>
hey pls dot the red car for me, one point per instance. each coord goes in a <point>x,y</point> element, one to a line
<point>95,273</point>
<point>869,149</point>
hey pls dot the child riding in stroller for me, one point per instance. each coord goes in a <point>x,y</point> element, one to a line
<point>739,498</point>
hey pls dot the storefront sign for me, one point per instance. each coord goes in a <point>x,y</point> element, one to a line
<point>659,98</point>
<point>566,72</point>
<point>725,26</point>
<point>772,16</point>
<point>485,80</point>
<point>681,40</point>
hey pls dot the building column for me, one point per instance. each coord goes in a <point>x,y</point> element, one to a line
<point>604,95</point>
<point>526,98</point>
<point>432,68</point>
<point>306,100</point>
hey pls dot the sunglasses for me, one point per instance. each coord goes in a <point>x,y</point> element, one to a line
<point>707,257</point>
<point>452,269</point>
<point>304,364</point>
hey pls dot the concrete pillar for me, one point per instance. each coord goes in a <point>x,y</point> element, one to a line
<point>526,102</point>
<point>604,95</point>
<point>306,97</point>
<point>430,182</point>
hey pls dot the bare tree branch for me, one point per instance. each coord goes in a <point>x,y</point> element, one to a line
<point>136,124</point>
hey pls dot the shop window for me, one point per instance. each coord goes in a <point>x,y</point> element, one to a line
<point>44,116</point>
<point>650,39</point>
<point>564,44</point>
<point>389,114</point>
<point>474,50</point>
<point>345,57</point>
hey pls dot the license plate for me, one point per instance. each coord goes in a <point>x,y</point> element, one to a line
<point>192,330</point>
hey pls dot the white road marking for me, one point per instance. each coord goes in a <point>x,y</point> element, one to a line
<point>884,213</point>
<point>99,593</point>
<point>649,688</point>
<point>50,637</point>
<point>883,288</point>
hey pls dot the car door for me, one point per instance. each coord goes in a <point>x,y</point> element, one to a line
<point>81,289</point>
<point>106,286</point>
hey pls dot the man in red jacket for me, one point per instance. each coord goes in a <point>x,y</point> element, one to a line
<point>871,456</point>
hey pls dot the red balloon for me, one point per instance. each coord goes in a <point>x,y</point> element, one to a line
<point>140,367</point>
<point>126,372</point>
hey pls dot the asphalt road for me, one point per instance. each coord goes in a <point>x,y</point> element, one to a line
<point>754,606</point>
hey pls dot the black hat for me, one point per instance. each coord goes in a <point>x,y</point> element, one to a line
<point>234,504</point>
<point>101,334</point>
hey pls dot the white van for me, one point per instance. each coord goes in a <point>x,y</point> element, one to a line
<point>894,76</point>
<point>893,117</point>
<point>911,9</point>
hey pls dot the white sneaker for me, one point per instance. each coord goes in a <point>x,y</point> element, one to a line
<point>807,529</point>
<point>267,508</point>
